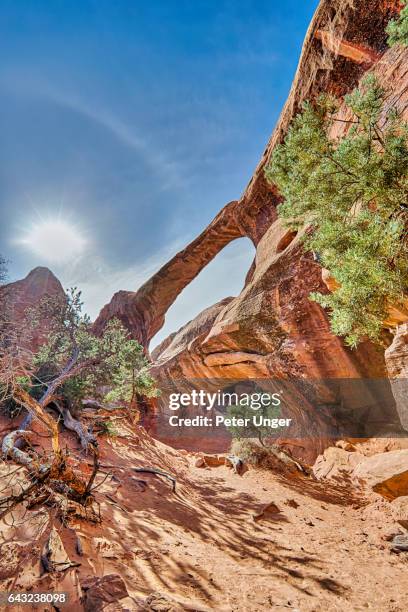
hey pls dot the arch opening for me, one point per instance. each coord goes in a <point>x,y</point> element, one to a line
<point>223,277</point>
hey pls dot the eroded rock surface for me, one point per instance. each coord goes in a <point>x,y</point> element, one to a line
<point>396,357</point>
<point>385,473</point>
<point>272,329</point>
<point>19,297</point>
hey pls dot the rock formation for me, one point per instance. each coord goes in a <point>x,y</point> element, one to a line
<point>143,311</point>
<point>18,297</point>
<point>396,357</point>
<point>327,64</point>
<point>272,329</point>
<point>305,543</point>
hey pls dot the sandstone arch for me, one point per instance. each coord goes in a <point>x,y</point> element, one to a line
<point>333,59</point>
<point>143,311</point>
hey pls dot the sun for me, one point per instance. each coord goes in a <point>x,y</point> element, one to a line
<point>54,241</point>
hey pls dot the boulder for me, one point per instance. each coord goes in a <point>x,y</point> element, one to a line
<point>399,508</point>
<point>214,460</point>
<point>386,473</point>
<point>199,462</point>
<point>336,463</point>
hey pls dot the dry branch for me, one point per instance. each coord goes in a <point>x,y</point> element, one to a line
<point>10,450</point>
<point>158,473</point>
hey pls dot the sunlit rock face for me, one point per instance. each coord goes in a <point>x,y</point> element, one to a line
<point>396,357</point>
<point>272,329</point>
<point>19,297</point>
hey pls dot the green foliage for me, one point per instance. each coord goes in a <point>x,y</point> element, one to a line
<point>131,376</point>
<point>249,451</point>
<point>243,411</point>
<point>253,453</point>
<point>113,360</point>
<point>397,29</point>
<point>353,194</point>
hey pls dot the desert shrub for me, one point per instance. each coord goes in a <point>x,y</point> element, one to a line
<point>249,451</point>
<point>352,193</point>
<point>272,457</point>
<point>397,29</point>
<point>252,430</point>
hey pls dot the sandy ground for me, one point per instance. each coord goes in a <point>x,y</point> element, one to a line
<point>319,547</point>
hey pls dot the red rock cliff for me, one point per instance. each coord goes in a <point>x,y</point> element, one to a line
<point>24,294</point>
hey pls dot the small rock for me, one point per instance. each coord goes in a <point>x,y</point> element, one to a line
<point>270,510</point>
<point>400,543</point>
<point>347,446</point>
<point>156,602</point>
<point>101,592</point>
<point>292,503</point>
<point>199,462</point>
<point>54,557</point>
<point>390,534</point>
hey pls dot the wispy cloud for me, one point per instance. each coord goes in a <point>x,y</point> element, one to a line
<point>169,170</point>
<point>99,280</point>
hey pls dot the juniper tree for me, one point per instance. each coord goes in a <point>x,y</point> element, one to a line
<point>397,29</point>
<point>113,360</point>
<point>352,192</point>
<point>254,426</point>
<point>131,377</point>
<point>73,363</point>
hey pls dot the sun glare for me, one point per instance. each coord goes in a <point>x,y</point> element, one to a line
<point>54,241</point>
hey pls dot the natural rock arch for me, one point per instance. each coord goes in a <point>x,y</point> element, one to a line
<point>143,311</point>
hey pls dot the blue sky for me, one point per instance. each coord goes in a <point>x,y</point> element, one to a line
<point>133,123</point>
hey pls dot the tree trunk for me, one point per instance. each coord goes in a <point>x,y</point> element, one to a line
<point>37,408</point>
<point>72,424</point>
